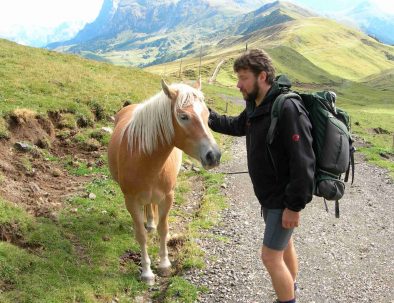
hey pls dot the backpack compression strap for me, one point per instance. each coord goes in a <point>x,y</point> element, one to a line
<point>276,111</point>
<point>351,165</point>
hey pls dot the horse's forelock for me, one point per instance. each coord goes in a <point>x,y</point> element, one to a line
<point>187,95</point>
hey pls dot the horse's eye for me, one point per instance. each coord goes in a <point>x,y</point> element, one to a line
<point>184,117</point>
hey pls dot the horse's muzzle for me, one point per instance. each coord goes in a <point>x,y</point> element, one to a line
<point>210,157</point>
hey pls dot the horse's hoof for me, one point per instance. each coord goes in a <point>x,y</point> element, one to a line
<point>148,280</point>
<point>164,272</point>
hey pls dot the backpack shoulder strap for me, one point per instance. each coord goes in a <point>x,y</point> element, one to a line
<point>276,111</point>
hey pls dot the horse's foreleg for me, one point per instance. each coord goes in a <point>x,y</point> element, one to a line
<point>137,214</point>
<point>150,219</point>
<point>162,228</point>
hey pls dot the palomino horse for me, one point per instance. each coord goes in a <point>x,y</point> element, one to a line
<point>145,156</point>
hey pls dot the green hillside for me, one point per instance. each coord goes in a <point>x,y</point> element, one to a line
<point>44,80</point>
<point>334,48</point>
<point>382,80</point>
<point>331,49</point>
<point>337,49</point>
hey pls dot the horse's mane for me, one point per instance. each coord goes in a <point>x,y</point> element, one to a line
<point>151,121</point>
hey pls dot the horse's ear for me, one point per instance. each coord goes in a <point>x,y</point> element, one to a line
<point>198,84</point>
<point>172,94</point>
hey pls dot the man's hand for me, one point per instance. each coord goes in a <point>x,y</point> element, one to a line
<point>290,219</point>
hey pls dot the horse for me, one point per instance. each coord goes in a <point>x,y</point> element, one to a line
<point>145,155</point>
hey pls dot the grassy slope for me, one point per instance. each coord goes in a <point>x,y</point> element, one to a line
<point>76,258</point>
<point>331,49</point>
<point>337,49</point>
<point>43,80</point>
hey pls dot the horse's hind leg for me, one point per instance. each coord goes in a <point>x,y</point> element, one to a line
<point>137,214</point>
<point>162,228</point>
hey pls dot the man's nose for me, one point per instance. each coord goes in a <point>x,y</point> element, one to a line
<point>239,84</point>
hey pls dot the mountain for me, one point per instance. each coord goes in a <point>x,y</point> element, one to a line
<point>271,14</point>
<point>371,20</point>
<point>146,32</point>
<point>149,16</point>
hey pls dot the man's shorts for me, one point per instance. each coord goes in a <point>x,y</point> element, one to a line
<point>275,236</point>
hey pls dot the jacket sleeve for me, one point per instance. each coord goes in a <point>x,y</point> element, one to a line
<point>295,131</point>
<point>233,126</point>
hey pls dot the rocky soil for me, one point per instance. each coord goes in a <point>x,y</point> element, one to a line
<point>341,260</point>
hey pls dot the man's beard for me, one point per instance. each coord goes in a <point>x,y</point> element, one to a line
<point>252,96</point>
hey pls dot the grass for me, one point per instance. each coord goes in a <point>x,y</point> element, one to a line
<point>68,260</point>
<point>337,49</point>
<point>60,82</point>
<point>372,112</point>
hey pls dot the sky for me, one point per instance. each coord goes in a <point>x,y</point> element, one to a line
<point>50,13</point>
<point>46,13</point>
<point>332,6</point>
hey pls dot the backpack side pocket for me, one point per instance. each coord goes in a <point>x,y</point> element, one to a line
<point>334,157</point>
<point>329,187</point>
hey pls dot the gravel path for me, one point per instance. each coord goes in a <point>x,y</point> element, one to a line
<point>341,260</point>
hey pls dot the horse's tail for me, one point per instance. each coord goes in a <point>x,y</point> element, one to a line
<point>151,214</point>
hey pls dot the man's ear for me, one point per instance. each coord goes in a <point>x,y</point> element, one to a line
<point>172,94</point>
<point>263,76</point>
<point>198,84</point>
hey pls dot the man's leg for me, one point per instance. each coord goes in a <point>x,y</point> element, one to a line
<point>281,278</point>
<point>276,241</point>
<point>290,258</point>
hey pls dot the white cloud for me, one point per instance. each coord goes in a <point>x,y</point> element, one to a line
<point>386,5</point>
<point>46,12</point>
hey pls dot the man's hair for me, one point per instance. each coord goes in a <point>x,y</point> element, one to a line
<point>256,61</point>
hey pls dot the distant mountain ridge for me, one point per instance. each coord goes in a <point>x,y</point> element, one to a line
<point>146,32</point>
<point>160,31</point>
<point>149,16</point>
<point>373,21</point>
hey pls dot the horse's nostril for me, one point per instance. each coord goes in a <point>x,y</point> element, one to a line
<point>210,157</point>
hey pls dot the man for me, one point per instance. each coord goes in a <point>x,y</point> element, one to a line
<point>282,173</point>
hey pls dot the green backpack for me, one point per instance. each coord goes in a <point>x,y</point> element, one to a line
<point>332,141</point>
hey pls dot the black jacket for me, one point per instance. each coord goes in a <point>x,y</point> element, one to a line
<point>286,181</point>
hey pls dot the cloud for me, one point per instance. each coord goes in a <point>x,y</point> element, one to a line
<point>46,12</point>
<point>385,5</point>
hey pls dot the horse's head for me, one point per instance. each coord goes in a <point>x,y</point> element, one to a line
<point>190,119</point>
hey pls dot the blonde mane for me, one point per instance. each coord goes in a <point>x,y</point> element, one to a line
<point>151,121</point>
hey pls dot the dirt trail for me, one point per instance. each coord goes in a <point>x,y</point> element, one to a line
<point>215,73</point>
<point>341,260</point>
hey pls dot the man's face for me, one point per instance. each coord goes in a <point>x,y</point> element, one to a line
<point>248,84</point>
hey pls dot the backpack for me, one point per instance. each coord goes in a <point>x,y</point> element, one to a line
<point>332,141</point>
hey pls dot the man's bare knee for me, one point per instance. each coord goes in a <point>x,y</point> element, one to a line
<point>271,257</point>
